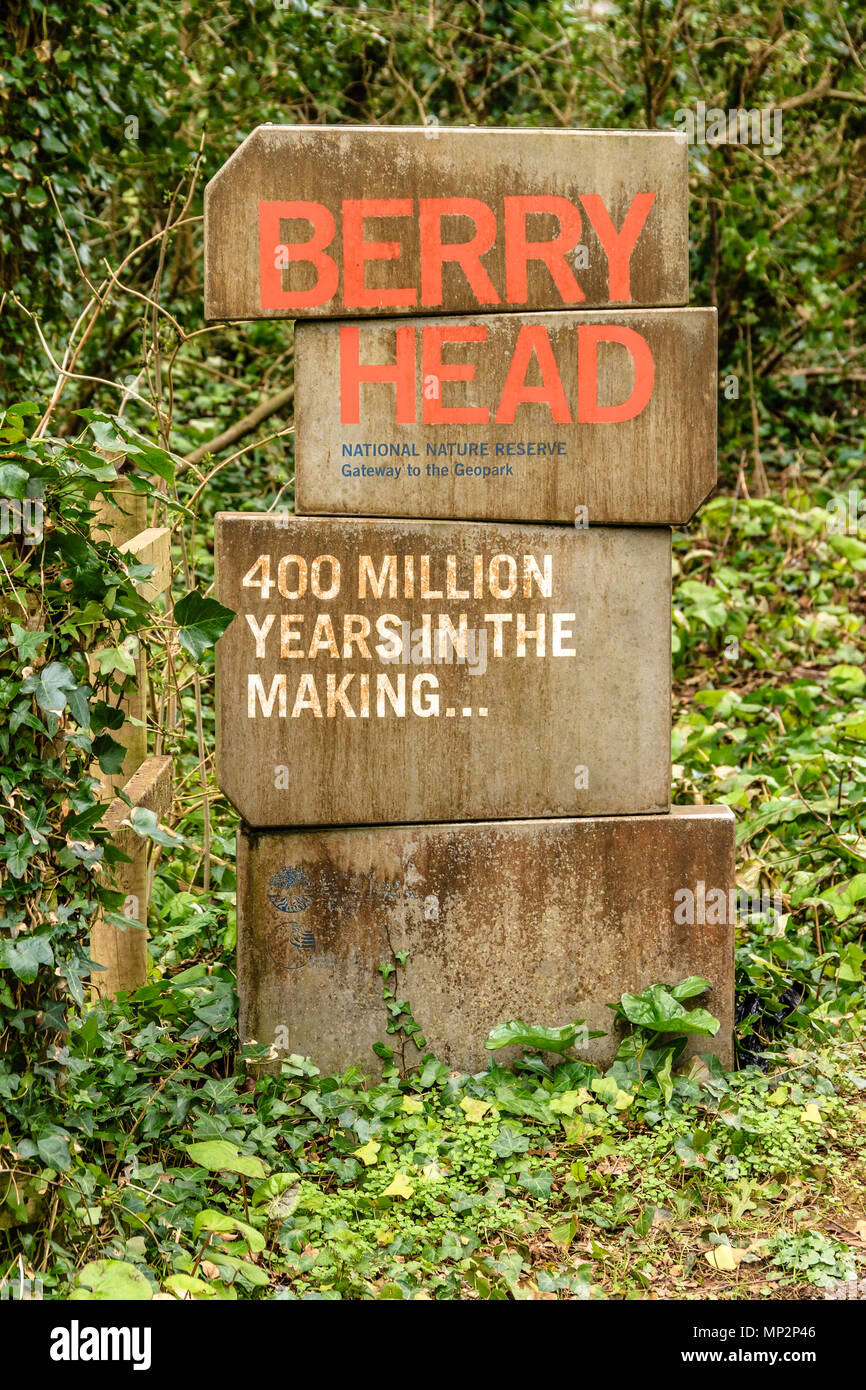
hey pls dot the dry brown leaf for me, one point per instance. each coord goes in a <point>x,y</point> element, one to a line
<point>612,1165</point>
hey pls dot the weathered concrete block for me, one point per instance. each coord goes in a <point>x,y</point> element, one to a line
<point>386,672</point>
<point>546,921</point>
<point>509,417</point>
<point>343,221</point>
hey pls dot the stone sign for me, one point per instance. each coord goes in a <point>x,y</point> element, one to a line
<point>396,671</point>
<point>546,921</point>
<point>460,646</point>
<point>608,417</point>
<point>336,221</point>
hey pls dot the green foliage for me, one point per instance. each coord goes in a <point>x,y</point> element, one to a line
<point>131,1134</point>
<point>537,1037</point>
<point>72,624</point>
<point>657,1028</point>
<point>112,1281</point>
<point>67,595</point>
<point>105,113</point>
<point>555,1182</point>
<point>811,1255</point>
<point>401,1026</point>
<point>218,1156</point>
<point>659,1010</point>
<point>769,720</point>
<point>201,622</point>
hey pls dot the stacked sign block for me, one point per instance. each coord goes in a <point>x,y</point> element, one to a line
<point>444,704</point>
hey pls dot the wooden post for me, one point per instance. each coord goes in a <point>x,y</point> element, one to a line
<point>123,954</point>
<point>146,781</point>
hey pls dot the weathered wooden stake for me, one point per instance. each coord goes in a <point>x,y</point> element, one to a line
<point>123,954</point>
<point>146,781</point>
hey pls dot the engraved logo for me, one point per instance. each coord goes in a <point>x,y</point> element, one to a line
<point>290,890</point>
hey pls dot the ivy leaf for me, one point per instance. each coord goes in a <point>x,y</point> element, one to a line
<point>112,1280</point>
<point>369,1152</point>
<point>605,1088</point>
<point>27,643</point>
<point>451,1248</point>
<point>120,658</point>
<point>399,1186</point>
<point>848,546</point>
<point>536,1184</point>
<point>473,1109</point>
<point>220,1221</point>
<point>78,705</point>
<point>51,687</point>
<point>657,1009</point>
<point>116,438</point>
<point>25,955</point>
<point>851,967</point>
<point>566,1102</point>
<point>508,1141</point>
<point>687,989</point>
<point>181,1284</point>
<point>281,1191</point>
<point>53,1148</point>
<point>109,753</point>
<point>13,480</point>
<point>17,852</point>
<point>539,1038</point>
<point>704,602</point>
<point>517,1102</point>
<point>202,621</point>
<point>842,898</point>
<point>146,824</point>
<point>663,1076</point>
<point>219,1156</point>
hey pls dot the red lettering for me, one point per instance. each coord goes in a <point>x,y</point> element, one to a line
<point>357,251</point>
<point>272,250</point>
<point>353,372</point>
<point>435,371</point>
<point>519,250</point>
<point>467,254</point>
<point>618,245</point>
<point>533,338</point>
<point>589,335</point>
